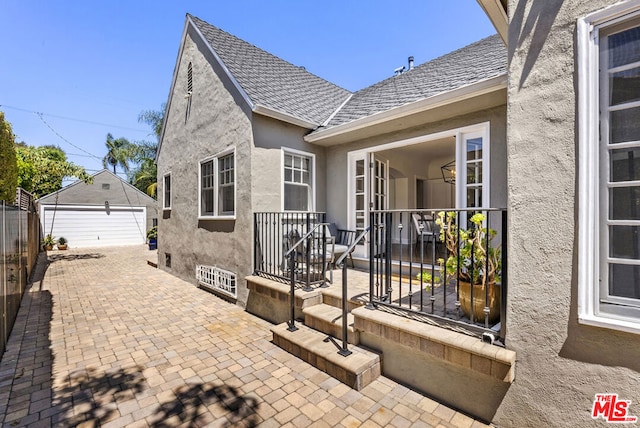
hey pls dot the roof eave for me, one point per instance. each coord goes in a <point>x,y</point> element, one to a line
<point>282,116</point>
<point>460,94</point>
<point>497,13</point>
<point>189,23</point>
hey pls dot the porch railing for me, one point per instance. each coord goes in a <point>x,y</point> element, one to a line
<point>276,233</point>
<point>434,264</point>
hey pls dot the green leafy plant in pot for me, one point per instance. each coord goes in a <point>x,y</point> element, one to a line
<point>479,264</point>
<point>62,243</point>
<point>152,237</point>
<point>48,242</point>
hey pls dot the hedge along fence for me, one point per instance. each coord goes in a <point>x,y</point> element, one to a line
<point>19,247</point>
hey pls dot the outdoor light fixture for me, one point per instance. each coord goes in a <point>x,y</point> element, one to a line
<point>449,172</point>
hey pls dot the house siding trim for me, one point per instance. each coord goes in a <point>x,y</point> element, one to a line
<point>222,65</point>
<point>463,93</point>
<point>589,159</point>
<point>189,29</point>
<point>223,153</point>
<point>286,150</point>
<point>285,117</point>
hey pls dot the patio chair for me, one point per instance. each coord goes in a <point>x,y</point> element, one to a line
<point>289,239</point>
<point>309,251</point>
<point>343,240</point>
<point>426,229</point>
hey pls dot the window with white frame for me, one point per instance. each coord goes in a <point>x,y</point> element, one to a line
<point>217,186</point>
<point>166,192</point>
<point>298,181</point>
<point>609,157</point>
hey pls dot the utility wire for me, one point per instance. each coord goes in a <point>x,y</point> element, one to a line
<point>64,139</point>
<point>73,119</point>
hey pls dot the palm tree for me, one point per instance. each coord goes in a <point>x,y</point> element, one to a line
<point>119,152</point>
<point>146,175</point>
<point>153,118</point>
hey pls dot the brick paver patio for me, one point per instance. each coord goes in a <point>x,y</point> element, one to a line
<point>103,339</point>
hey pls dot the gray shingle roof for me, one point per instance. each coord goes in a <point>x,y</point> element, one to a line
<point>273,82</point>
<point>479,61</point>
<point>277,84</point>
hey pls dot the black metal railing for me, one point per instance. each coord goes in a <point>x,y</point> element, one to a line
<point>449,265</point>
<point>290,244</point>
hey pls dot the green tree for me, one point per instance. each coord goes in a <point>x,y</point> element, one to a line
<point>145,176</point>
<point>42,169</point>
<point>119,152</point>
<point>8,163</point>
<point>153,118</point>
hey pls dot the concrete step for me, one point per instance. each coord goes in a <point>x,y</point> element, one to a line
<point>356,370</point>
<point>269,299</point>
<point>356,296</point>
<point>328,319</point>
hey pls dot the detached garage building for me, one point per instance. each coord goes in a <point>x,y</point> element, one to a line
<point>107,212</point>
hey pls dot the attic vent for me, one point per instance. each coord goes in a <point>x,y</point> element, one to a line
<point>189,79</point>
<point>106,186</point>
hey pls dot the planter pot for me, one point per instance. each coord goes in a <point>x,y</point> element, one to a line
<point>479,296</point>
<point>62,246</point>
<point>48,247</point>
<point>153,243</point>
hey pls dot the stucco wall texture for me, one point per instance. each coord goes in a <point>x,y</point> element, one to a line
<point>561,364</point>
<point>210,121</point>
<point>215,118</point>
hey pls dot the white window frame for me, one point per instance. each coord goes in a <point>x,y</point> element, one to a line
<point>312,195</point>
<point>460,135</point>
<point>590,309</point>
<point>482,131</point>
<point>217,215</point>
<point>166,205</point>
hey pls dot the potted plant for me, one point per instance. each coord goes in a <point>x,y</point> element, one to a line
<point>152,236</point>
<point>62,243</point>
<point>474,262</point>
<point>48,242</point>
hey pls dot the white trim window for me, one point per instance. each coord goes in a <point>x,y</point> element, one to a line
<point>216,186</point>
<point>609,176</point>
<point>166,191</point>
<point>298,181</point>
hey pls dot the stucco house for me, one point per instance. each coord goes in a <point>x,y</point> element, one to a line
<point>107,212</point>
<point>574,292</point>
<point>253,147</point>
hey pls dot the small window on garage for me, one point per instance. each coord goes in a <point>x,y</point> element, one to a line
<point>106,186</point>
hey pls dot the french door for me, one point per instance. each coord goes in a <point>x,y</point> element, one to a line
<point>369,191</point>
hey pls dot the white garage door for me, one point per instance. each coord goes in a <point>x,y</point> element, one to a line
<point>96,226</point>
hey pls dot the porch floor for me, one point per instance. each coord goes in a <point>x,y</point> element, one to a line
<point>405,294</point>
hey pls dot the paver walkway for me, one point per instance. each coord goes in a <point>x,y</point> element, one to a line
<point>103,339</point>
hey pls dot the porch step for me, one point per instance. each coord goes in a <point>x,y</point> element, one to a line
<point>269,299</point>
<point>328,319</point>
<point>356,370</point>
<point>356,296</point>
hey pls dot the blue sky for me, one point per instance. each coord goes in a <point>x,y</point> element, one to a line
<point>90,67</point>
